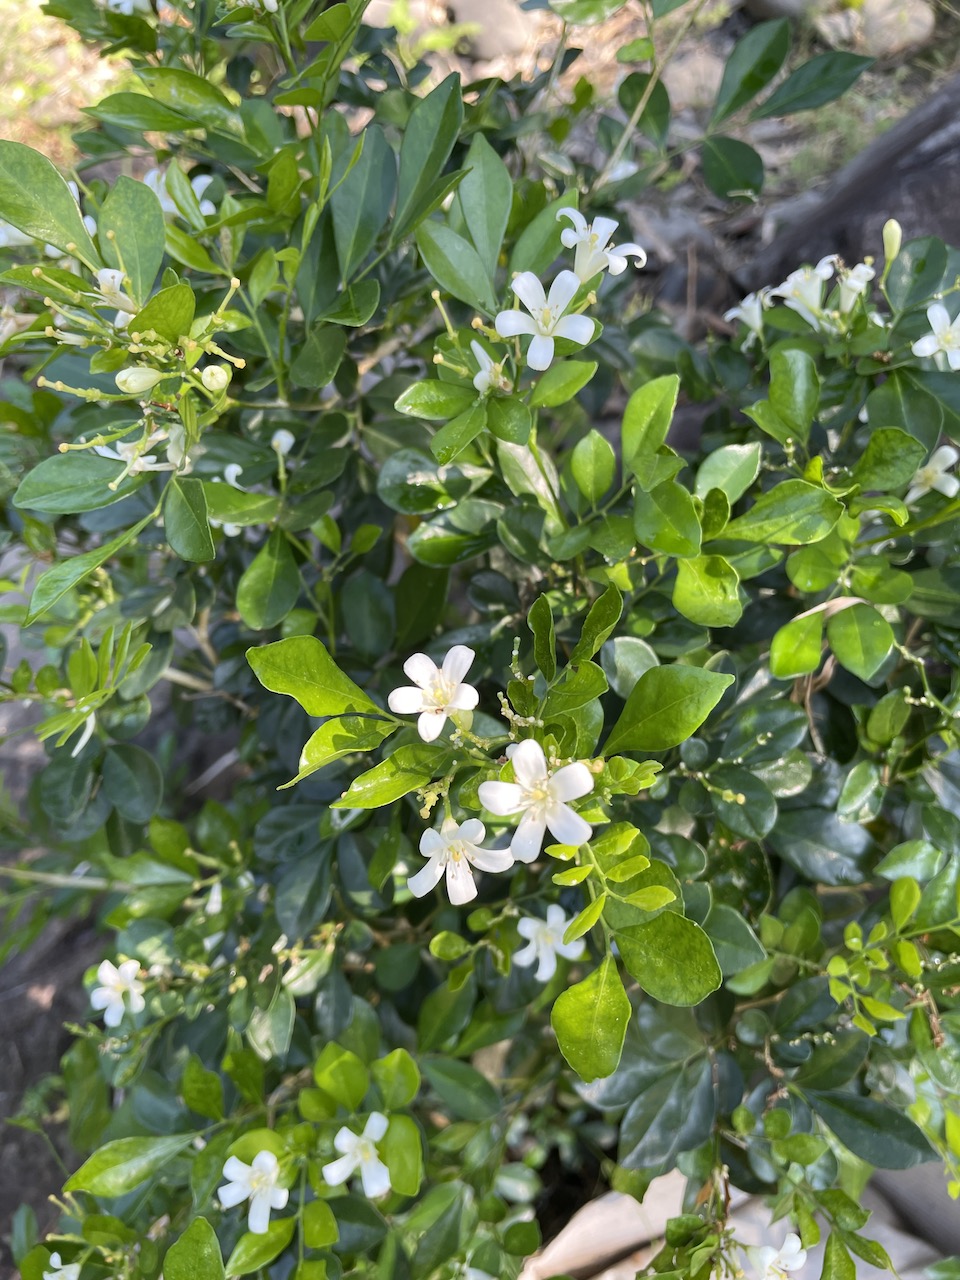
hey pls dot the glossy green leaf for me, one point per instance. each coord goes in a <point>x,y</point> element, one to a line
<point>794,389</point>
<point>436,401</point>
<point>269,587</point>
<point>169,313</point>
<point>196,1255</point>
<point>603,616</point>
<point>193,97</point>
<point>706,591</point>
<point>252,1252</point>
<point>54,583</point>
<point>792,513</point>
<point>816,82</point>
<point>671,958</point>
<point>889,460</point>
<point>731,168</point>
<point>861,638</point>
<point>120,1166</point>
<point>880,1134</point>
<point>665,520</point>
<point>594,466</point>
<point>339,737</point>
<point>36,200</point>
<point>318,359</point>
<point>361,204</point>
<point>732,469</point>
<point>540,622</point>
<point>455,265</point>
<point>401,1150</point>
<point>406,770</point>
<point>797,647</point>
<point>131,231</point>
<point>590,1022</point>
<point>647,418</point>
<point>342,1075</point>
<point>485,196</point>
<point>68,483</point>
<point>561,382</point>
<point>185,519</point>
<point>301,667</point>
<point>667,706</point>
<point>429,138</point>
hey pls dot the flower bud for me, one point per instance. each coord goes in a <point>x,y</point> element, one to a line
<point>892,239</point>
<point>216,378</point>
<point>283,441</point>
<point>138,379</point>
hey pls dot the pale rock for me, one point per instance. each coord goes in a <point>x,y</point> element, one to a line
<point>693,78</point>
<point>893,26</point>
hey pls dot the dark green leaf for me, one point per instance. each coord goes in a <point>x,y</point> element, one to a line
<point>185,520</point>
<point>818,81</point>
<point>270,586</point>
<point>731,167</point>
<point>755,60</point>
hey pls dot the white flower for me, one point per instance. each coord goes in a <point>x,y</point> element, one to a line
<point>454,849</point>
<point>256,1182</point>
<point>110,288</point>
<point>935,474</point>
<point>541,797</point>
<point>60,1270</point>
<point>137,379</point>
<point>156,180</point>
<point>773,1264</point>
<point>133,453</point>
<point>545,942</point>
<point>11,238</point>
<point>802,291</point>
<point>216,377</point>
<point>439,693</point>
<point>750,311</point>
<point>853,283</point>
<point>594,252</point>
<point>490,376</point>
<point>546,320</point>
<point>945,336</point>
<point>359,1151</point>
<point>231,476</point>
<point>116,986</point>
<point>282,441</point>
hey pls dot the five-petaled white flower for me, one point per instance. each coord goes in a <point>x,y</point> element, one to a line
<point>541,797</point>
<point>133,453</point>
<point>750,311</point>
<point>546,320</point>
<point>256,1182</point>
<point>802,291</point>
<point>118,991</point>
<point>60,1270</point>
<point>358,1151</point>
<point>439,692</point>
<point>935,474</point>
<point>773,1264</point>
<point>490,375</point>
<point>945,336</point>
<point>853,283</point>
<point>592,243</point>
<point>156,180</point>
<point>545,942</point>
<point>454,850</point>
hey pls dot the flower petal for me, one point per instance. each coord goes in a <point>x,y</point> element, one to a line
<point>461,886</point>
<point>501,798</point>
<point>473,831</point>
<point>426,879</point>
<point>480,355</point>
<point>530,291</point>
<point>570,950</point>
<point>338,1171</point>
<point>375,1177</point>
<point>528,927</point>
<point>540,353</point>
<point>526,955</point>
<point>947,485</point>
<point>464,698</point>
<point>528,838</point>
<point>265,1162</point>
<point>232,1194</point>
<point>432,842</point>
<point>566,826</point>
<point>529,764</point>
<point>563,291</point>
<point>511,323</point>
<point>430,724</point>
<point>603,229</point>
<point>928,345</point>
<point>556,916</point>
<point>547,966</point>
<point>107,973</point>
<point>939,317</point>
<point>258,1219</point>
<point>943,459</point>
<point>571,782</point>
<point>457,663</point>
<point>491,859</point>
<point>574,328</point>
<point>279,1197</point>
<point>914,492</point>
<point>421,670</point>
<point>579,225</point>
<point>376,1126</point>
<point>406,701</point>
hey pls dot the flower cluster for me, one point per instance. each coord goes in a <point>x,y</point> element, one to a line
<point>803,292</point>
<point>539,793</point>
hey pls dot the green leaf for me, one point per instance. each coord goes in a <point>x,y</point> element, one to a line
<point>202,1090</point>
<point>818,81</point>
<point>122,1165</point>
<point>451,440</point>
<point>398,1079</point>
<point>485,196</point>
<point>916,273</point>
<point>917,858</point>
<point>270,1026</point>
<point>455,265</point>
<point>667,705</point>
<point>228,505</point>
<point>665,520</point>
<point>361,204</point>
<point>436,401</point>
<point>132,782</point>
<point>36,200</point>
<point>342,1075</point>
<point>352,307</point>
<point>185,520</point>
<point>586,13</point>
<point>599,623</point>
<point>69,483</point>
<point>734,942</point>
<point>671,958</point>
<point>319,1226</point>
<point>590,1022</point>
<point>743,802</point>
<point>340,736</point>
<point>269,587</point>
<point>539,242</point>
<point>255,1251</point>
<point>318,360</point>
<point>594,466</point>
<point>132,213</point>
<point>647,418</point>
<point>540,622</point>
<point>468,1094</point>
<point>509,419</point>
<point>407,769</point>
<point>706,591</point>
<point>731,167</point>
<point>861,638</point>
<point>301,667</point>
<point>169,313</point>
<point>54,583</point>
<point>192,96</point>
<point>837,1263</point>
<point>889,460</point>
<point>136,111</point>
<point>401,1149</point>
<point>430,134</point>
<point>797,647</point>
<point>196,1255</point>
<point>561,382</point>
<point>655,118</point>
<point>755,60</point>
<point>794,389</point>
<point>792,513</point>
<point>731,469</point>
<point>880,1134</point>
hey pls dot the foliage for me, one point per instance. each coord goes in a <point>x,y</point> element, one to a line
<point>282,425</point>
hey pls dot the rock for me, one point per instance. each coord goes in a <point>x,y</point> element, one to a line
<point>692,78</point>
<point>893,26</point>
<point>504,28</point>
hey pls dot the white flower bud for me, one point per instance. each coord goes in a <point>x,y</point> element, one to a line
<point>892,239</point>
<point>138,379</point>
<point>283,441</point>
<point>216,377</point>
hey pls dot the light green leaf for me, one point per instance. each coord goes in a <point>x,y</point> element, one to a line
<point>252,1252</point>
<point>594,466</point>
<point>732,469</point>
<point>401,1150</point>
<point>36,200</point>
<point>196,1255</point>
<point>791,513</point>
<point>671,958</point>
<point>185,520</point>
<point>192,96</point>
<point>667,706</point>
<point>665,520</point>
<point>794,389</point>
<point>56,582</point>
<point>69,483</point>
<point>122,1165</point>
<point>342,1075</point>
<point>132,213</point>
<point>407,769</point>
<point>707,591</point>
<point>540,622</point>
<point>647,418</point>
<point>301,667</point>
<point>590,1022</point>
<point>341,736</point>
<point>561,382</point>
<point>861,638</point>
<point>797,647</point>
